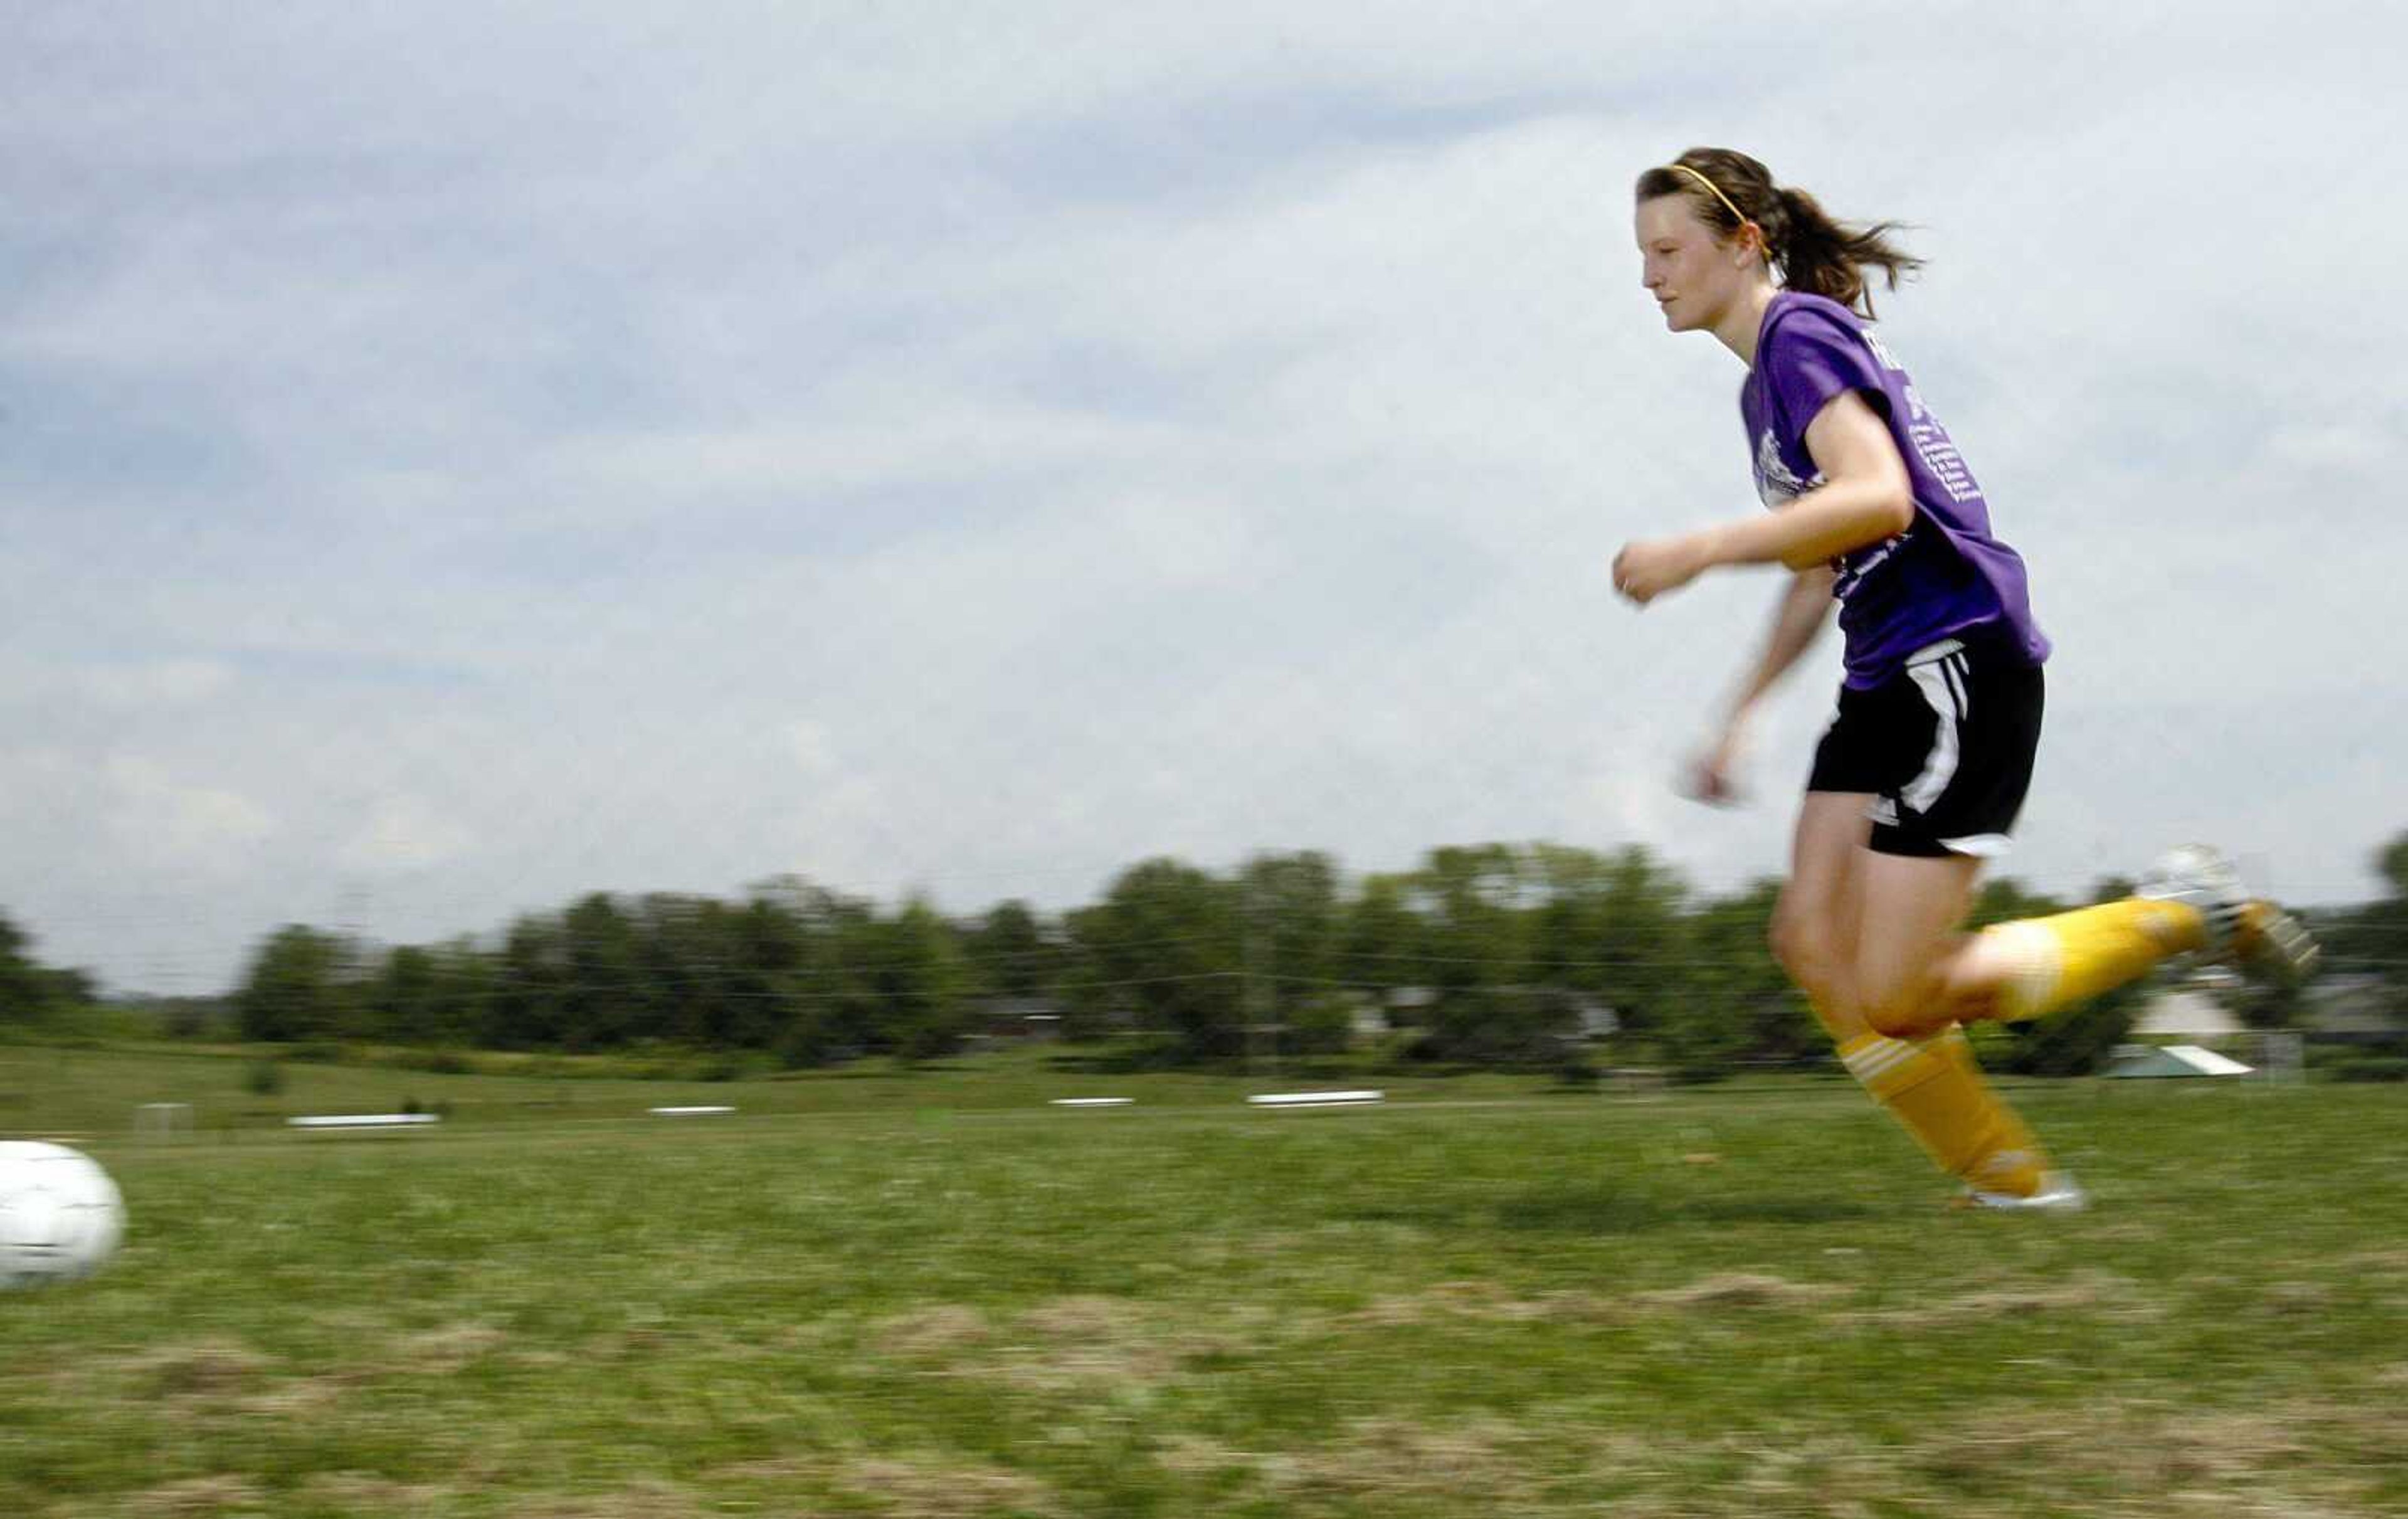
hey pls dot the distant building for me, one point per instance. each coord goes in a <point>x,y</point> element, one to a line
<point>2353,1009</point>
<point>2187,1014</point>
<point>1018,1019</point>
<point>1366,1022</point>
<point>2147,1060</point>
<point>1585,1018</point>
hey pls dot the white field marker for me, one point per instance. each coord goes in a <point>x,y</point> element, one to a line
<point>688,1113</point>
<point>1315,1099</point>
<point>1093,1102</point>
<point>363,1120</point>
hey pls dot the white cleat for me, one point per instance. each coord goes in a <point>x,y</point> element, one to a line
<point>2059,1194</point>
<point>2243,931</point>
<point>2202,879</point>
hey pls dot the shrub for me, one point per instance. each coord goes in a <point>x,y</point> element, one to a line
<point>1321,1025</point>
<point>2380,1065</point>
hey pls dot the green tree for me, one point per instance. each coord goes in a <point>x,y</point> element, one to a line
<point>922,983</point>
<point>1165,942</point>
<point>1380,946</point>
<point>602,1000</point>
<point>297,987</point>
<point>1478,901</point>
<point>1291,927</point>
<point>1011,953</point>
<point>24,993</point>
<point>1728,1000</point>
<point>404,999</point>
<point>531,978</point>
<point>2391,864</point>
<point>690,975</point>
<point>464,980</point>
<point>2371,939</point>
<point>1612,928</point>
<point>770,948</point>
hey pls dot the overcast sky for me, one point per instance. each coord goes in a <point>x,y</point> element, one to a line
<point>453,457</point>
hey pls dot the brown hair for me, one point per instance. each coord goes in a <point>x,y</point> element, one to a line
<point>1813,253</point>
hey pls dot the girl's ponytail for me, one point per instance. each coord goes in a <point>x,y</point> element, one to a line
<point>1827,257</point>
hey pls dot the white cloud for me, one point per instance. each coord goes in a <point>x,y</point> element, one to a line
<point>156,818</point>
<point>171,683</point>
<point>406,833</point>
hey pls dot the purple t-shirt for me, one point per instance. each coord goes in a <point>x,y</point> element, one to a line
<point>1944,576</point>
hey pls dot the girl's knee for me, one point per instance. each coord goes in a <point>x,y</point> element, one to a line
<point>1805,947</point>
<point>1902,1012</point>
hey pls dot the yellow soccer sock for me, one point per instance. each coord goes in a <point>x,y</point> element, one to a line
<point>1933,1086</point>
<point>2058,961</point>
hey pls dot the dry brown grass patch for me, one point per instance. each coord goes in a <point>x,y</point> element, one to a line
<point>2288,1299</point>
<point>940,1330</point>
<point>1194,1455</point>
<point>194,1496</point>
<point>1741,1290</point>
<point>1394,1458</point>
<point>1084,1318</point>
<point>644,1501</point>
<point>2097,1293</point>
<point>302,1394</point>
<point>449,1348</point>
<point>773,1468</point>
<point>2153,1449</point>
<point>1483,1301</point>
<point>358,1493</point>
<point>1071,1341</point>
<point>2373,1263</point>
<point>1481,1463</point>
<point>946,1490</point>
<point>207,1368</point>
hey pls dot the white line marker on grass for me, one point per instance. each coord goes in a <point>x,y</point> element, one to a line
<point>1093,1102</point>
<point>363,1119</point>
<point>1315,1099</point>
<point>688,1113</point>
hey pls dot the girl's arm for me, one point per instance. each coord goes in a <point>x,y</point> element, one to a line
<point>1805,606</point>
<point>1865,498</point>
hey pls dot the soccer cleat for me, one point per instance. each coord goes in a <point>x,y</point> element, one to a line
<point>2242,931</point>
<point>2203,880</point>
<point>2275,944</point>
<point>2059,1194</point>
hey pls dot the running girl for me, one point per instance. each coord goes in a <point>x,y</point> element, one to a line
<point>1922,775</point>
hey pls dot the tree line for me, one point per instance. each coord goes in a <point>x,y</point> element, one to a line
<point>1490,954</point>
<point>1487,953</point>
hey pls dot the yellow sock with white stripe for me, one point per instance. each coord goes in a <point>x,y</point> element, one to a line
<point>2059,961</point>
<point>1933,1086</point>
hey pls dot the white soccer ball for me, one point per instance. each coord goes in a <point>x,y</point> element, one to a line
<point>60,1214</point>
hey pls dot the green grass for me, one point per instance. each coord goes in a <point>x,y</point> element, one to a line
<point>928,1295</point>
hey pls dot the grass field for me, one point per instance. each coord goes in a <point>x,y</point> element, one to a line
<point>929,1295</point>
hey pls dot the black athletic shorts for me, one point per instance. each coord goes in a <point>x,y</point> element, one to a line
<point>1944,746</point>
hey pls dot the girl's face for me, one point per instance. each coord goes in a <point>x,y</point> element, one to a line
<point>1692,276</point>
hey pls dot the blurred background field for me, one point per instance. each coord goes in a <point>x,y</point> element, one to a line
<point>922,1293</point>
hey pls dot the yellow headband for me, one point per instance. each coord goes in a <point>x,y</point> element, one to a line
<point>1737,215</point>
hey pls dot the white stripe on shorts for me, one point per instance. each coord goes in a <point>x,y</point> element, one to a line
<point>1985,846</point>
<point>1939,767</point>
